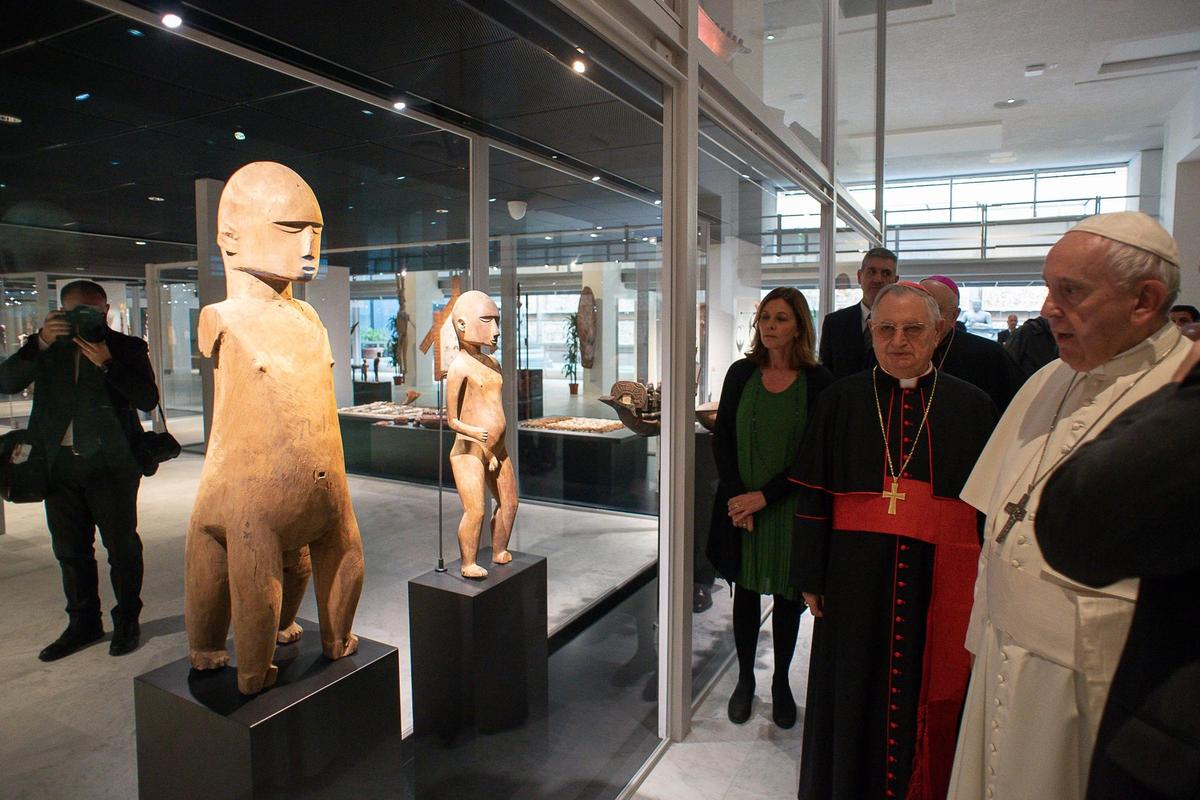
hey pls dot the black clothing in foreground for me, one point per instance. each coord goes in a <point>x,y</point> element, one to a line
<point>94,482</point>
<point>877,637</point>
<point>1032,346</point>
<point>724,540</point>
<point>843,348</point>
<point>1126,506</point>
<point>980,362</point>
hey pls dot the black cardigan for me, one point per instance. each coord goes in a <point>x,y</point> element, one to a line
<point>725,540</point>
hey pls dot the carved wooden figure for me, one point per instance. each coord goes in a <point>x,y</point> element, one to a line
<point>273,504</point>
<point>475,413</point>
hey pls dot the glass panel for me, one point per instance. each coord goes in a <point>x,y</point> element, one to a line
<point>855,56</point>
<point>758,231</point>
<point>179,367</point>
<point>774,48</point>
<point>851,247</point>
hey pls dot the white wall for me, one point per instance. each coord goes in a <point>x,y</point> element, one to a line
<point>1180,211</point>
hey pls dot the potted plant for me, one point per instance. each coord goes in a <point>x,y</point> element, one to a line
<point>570,368</point>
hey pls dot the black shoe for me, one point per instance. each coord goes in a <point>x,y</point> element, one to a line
<point>783,705</point>
<point>701,598</point>
<point>71,640</point>
<point>740,702</point>
<point>125,639</point>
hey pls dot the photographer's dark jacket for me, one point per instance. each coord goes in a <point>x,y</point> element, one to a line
<point>102,406</point>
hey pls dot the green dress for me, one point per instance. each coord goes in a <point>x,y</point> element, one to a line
<point>769,429</point>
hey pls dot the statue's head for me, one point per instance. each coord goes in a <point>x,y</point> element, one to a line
<point>269,224</point>
<point>476,319</point>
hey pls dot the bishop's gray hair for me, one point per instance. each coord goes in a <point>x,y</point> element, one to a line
<point>1128,264</point>
<point>935,313</point>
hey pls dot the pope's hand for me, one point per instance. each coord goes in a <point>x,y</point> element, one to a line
<point>815,603</point>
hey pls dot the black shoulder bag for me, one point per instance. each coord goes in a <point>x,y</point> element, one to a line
<point>153,447</point>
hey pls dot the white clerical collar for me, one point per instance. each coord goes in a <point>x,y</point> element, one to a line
<point>1141,356</point>
<point>909,383</point>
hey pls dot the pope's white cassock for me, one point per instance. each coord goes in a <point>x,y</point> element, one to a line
<point>1045,646</point>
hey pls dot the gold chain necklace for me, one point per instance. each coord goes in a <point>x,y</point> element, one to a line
<point>895,495</point>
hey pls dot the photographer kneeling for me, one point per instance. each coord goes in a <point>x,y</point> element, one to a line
<point>90,381</point>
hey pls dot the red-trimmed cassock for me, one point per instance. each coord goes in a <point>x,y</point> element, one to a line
<point>888,670</point>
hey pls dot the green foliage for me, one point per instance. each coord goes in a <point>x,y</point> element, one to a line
<point>570,368</point>
<point>373,337</point>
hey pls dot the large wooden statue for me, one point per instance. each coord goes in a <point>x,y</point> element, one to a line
<point>273,504</point>
<point>475,412</point>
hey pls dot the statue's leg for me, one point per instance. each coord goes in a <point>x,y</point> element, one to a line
<point>256,588</point>
<point>206,598</point>
<point>468,478</point>
<point>503,483</point>
<point>337,559</point>
<point>297,566</point>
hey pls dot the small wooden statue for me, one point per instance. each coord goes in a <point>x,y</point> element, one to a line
<point>475,412</point>
<point>273,504</point>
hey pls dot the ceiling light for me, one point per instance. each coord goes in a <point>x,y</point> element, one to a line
<point>745,177</point>
<point>594,235</point>
<point>172,21</point>
<point>401,177</point>
<point>442,210</point>
<point>579,50</point>
<point>579,66</point>
<point>114,163</point>
<point>239,135</point>
<point>399,105</point>
<point>3,185</point>
<point>658,202</point>
<point>140,243</point>
<point>770,37</point>
<point>156,199</point>
<point>491,199</point>
<point>547,238</point>
<point>134,32</point>
<point>368,112</point>
<point>79,98</point>
<point>9,119</point>
<point>1011,102</point>
<point>599,227</point>
<point>595,178</point>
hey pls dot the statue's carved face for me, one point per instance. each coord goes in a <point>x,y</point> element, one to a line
<point>477,319</point>
<point>270,224</point>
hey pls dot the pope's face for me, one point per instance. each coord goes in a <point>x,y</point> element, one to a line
<point>904,335</point>
<point>1089,315</point>
<point>284,246</point>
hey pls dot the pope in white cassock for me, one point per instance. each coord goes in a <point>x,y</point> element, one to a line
<point>1045,646</point>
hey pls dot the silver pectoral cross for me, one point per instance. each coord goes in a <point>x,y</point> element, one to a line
<point>1016,513</point>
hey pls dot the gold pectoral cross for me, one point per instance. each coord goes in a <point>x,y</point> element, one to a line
<point>893,496</point>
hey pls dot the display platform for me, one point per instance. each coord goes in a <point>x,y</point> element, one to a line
<point>602,470</point>
<point>326,729</point>
<point>480,667</point>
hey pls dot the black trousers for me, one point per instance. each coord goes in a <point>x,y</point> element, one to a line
<point>86,494</point>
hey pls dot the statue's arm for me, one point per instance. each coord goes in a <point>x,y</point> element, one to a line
<point>456,391</point>
<point>209,331</point>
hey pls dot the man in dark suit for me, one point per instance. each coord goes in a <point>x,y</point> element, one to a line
<point>844,338</point>
<point>89,381</point>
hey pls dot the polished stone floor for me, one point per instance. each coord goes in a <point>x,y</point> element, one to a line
<point>66,729</point>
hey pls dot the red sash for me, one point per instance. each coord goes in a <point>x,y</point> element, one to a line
<point>950,526</point>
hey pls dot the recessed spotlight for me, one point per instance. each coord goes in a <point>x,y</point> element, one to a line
<point>349,208</point>
<point>140,243</point>
<point>658,202</point>
<point>114,163</point>
<point>156,199</point>
<point>595,178</point>
<point>1011,102</point>
<point>172,21</point>
<point>401,177</point>
<point>554,158</point>
<point>579,66</point>
<point>491,199</point>
<point>134,32</point>
<point>9,119</point>
<point>434,222</point>
<point>442,210</point>
<point>594,235</point>
<point>82,96</point>
<point>770,37</point>
<point>548,238</point>
<point>579,50</point>
<point>399,105</point>
<point>745,177</point>
<point>368,112</point>
<point>3,185</point>
<point>599,227</point>
<point>239,135</point>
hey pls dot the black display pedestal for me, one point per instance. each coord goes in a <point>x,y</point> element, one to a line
<point>326,729</point>
<point>479,673</point>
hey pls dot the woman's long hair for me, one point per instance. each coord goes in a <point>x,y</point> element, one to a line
<point>803,352</point>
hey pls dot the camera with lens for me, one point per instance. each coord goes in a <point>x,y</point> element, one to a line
<point>87,323</point>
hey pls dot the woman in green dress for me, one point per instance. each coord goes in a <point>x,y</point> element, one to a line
<point>760,420</point>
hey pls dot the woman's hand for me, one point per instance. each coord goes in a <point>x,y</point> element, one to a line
<point>744,506</point>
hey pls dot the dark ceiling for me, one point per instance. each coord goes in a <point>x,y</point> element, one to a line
<point>162,111</point>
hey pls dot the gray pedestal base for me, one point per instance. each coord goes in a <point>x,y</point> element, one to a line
<point>326,729</point>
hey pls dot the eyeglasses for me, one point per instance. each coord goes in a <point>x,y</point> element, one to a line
<point>884,331</point>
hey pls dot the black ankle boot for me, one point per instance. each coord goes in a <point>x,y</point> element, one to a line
<point>71,640</point>
<point>740,702</point>
<point>783,705</point>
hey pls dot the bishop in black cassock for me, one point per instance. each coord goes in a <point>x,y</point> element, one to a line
<point>887,553</point>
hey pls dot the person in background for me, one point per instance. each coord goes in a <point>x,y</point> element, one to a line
<point>885,556</point>
<point>1099,523</point>
<point>90,383</point>
<point>1183,315</point>
<point>845,343</point>
<point>1032,346</point>
<point>1003,336</point>
<point>976,359</point>
<point>765,402</point>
